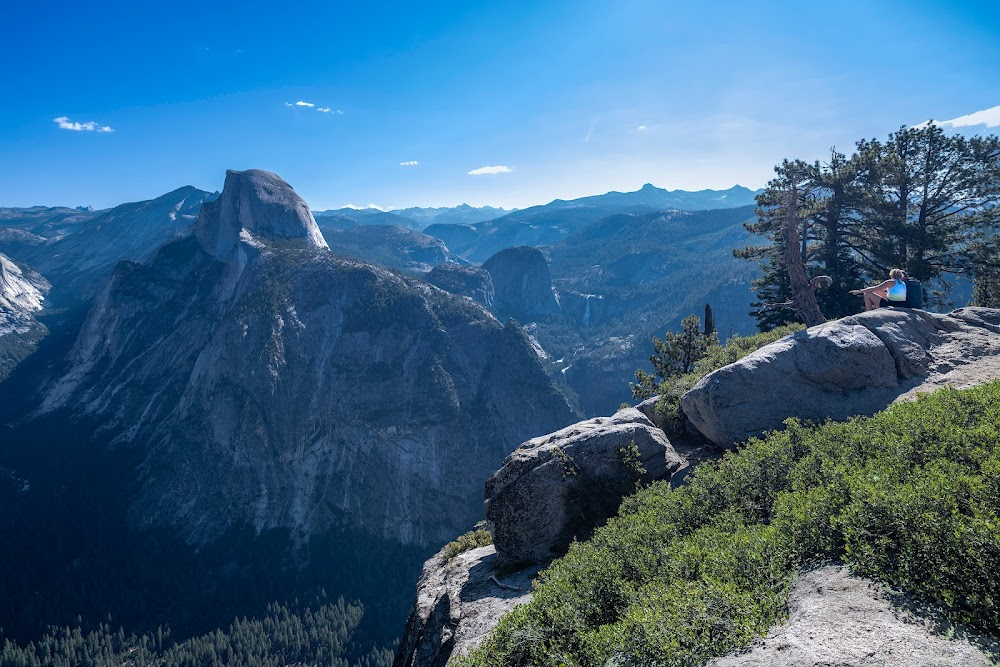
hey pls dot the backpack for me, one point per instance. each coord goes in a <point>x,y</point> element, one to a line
<point>914,294</point>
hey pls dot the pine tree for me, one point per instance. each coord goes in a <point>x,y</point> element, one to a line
<point>929,199</point>
<point>922,201</point>
<point>674,355</point>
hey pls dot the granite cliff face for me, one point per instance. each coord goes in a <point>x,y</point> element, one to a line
<point>22,292</point>
<point>268,383</point>
<point>523,287</point>
<point>470,281</point>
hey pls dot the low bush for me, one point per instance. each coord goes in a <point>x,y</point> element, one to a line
<point>479,537</point>
<point>910,496</point>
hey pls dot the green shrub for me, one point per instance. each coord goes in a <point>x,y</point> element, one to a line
<point>478,537</point>
<point>910,496</point>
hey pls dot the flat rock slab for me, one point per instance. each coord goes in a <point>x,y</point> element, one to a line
<point>857,365</point>
<point>458,603</point>
<point>839,620</point>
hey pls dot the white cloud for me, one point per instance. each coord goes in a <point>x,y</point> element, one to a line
<point>409,163</point>
<point>310,105</point>
<point>500,169</point>
<point>90,126</point>
<point>988,117</point>
<point>641,128</point>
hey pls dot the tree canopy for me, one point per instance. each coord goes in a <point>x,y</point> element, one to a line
<point>922,200</point>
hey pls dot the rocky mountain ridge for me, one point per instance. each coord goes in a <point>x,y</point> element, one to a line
<point>76,251</point>
<point>391,246</point>
<point>550,223</point>
<point>251,366</point>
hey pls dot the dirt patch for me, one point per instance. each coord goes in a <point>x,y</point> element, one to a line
<point>839,620</point>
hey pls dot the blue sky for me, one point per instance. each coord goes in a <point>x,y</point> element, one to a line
<point>574,98</point>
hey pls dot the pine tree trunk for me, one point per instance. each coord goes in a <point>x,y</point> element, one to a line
<point>803,295</point>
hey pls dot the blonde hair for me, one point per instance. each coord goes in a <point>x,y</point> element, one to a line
<point>897,274</point>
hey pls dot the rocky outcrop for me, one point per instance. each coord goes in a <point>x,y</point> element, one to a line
<point>522,284</point>
<point>470,281</point>
<point>22,292</point>
<point>561,486</point>
<point>648,408</point>
<point>256,207</point>
<point>551,490</point>
<point>458,602</point>
<point>853,366</point>
<point>839,619</point>
<point>267,383</point>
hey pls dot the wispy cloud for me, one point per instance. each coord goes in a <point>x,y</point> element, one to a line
<point>500,169</point>
<point>90,126</point>
<point>988,117</point>
<point>641,128</point>
<point>309,105</point>
<point>409,163</point>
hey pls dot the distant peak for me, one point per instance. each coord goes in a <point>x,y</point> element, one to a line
<point>182,193</point>
<point>647,187</point>
<point>85,209</point>
<point>260,203</point>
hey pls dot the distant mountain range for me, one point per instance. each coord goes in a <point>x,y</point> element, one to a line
<point>412,218</point>
<point>682,200</point>
<point>549,223</point>
<point>77,250</point>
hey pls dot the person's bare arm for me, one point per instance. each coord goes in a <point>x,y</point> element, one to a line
<point>877,288</point>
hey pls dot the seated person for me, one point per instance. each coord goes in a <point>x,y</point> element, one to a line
<point>891,292</point>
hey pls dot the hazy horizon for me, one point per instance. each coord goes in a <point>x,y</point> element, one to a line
<point>368,206</point>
